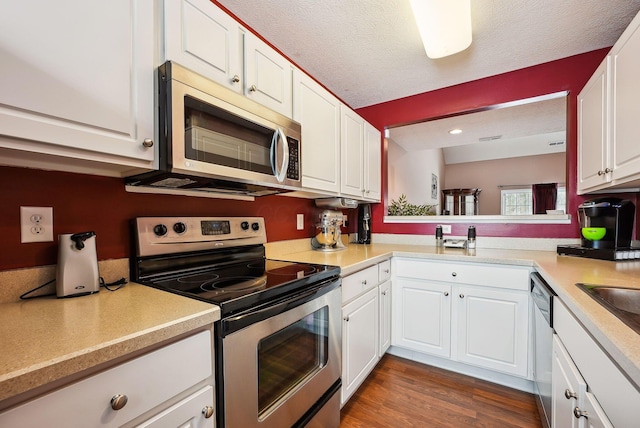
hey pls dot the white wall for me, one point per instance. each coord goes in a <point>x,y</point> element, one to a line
<point>410,173</point>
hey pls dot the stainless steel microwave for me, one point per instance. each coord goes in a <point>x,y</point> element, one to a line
<point>214,139</point>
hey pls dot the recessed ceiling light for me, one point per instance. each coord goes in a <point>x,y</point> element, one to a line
<point>455,131</point>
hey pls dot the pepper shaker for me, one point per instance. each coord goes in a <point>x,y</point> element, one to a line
<point>471,237</point>
<point>439,241</point>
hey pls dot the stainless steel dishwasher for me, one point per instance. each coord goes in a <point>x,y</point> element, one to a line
<point>542,296</point>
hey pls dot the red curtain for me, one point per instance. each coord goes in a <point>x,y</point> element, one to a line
<point>544,197</point>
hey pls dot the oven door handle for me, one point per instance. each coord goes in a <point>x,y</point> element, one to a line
<point>245,319</point>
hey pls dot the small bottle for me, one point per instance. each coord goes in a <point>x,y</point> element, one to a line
<point>439,241</point>
<point>471,237</point>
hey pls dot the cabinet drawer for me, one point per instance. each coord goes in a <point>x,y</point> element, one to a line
<point>147,381</point>
<point>491,275</point>
<point>359,282</point>
<point>384,270</point>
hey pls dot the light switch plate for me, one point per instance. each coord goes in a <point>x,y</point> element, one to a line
<point>299,221</point>
<point>36,224</point>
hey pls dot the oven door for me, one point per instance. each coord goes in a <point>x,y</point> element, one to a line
<point>278,368</point>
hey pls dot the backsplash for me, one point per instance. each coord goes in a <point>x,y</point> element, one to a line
<point>101,204</point>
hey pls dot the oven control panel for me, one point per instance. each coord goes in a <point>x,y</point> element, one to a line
<point>165,235</point>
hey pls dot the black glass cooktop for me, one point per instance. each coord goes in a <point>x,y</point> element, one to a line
<point>242,285</point>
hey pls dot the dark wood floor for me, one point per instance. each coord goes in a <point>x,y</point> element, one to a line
<point>403,393</point>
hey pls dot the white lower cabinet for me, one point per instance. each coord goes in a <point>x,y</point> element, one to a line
<point>492,328</point>
<point>476,314</point>
<point>366,324</point>
<point>573,405</point>
<point>587,385</point>
<point>384,298</point>
<point>422,316</point>
<point>359,341</point>
<point>151,387</point>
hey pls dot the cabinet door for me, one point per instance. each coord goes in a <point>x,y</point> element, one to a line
<point>319,115</point>
<point>567,388</point>
<point>593,130</point>
<point>372,163</point>
<point>359,341</point>
<point>625,109</point>
<point>269,76</point>
<point>493,329</point>
<point>385,316</point>
<point>188,413</point>
<point>594,416</point>
<point>352,149</point>
<point>421,316</point>
<point>78,76</point>
<point>203,38</point>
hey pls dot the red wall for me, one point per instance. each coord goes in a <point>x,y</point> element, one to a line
<point>86,202</point>
<point>568,74</point>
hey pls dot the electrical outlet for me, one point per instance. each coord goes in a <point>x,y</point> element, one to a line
<point>299,221</point>
<point>36,224</point>
<point>446,228</point>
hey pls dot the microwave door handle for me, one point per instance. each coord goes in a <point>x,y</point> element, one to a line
<point>278,135</point>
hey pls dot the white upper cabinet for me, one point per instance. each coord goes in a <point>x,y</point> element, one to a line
<point>203,38</point>
<point>593,130</point>
<point>361,157</point>
<point>625,109</point>
<point>318,112</point>
<point>268,76</point>
<point>608,126</point>
<point>77,84</point>
<point>352,153</point>
<point>372,163</point>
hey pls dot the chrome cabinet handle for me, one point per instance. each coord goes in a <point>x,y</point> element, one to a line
<point>386,271</point>
<point>364,282</point>
<point>607,170</point>
<point>570,394</point>
<point>600,172</point>
<point>384,293</point>
<point>461,296</point>
<point>253,88</point>
<point>454,274</point>
<point>446,293</point>
<point>147,142</point>
<point>580,413</point>
<point>346,318</point>
<point>207,411</point>
<point>235,79</point>
<point>118,401</point>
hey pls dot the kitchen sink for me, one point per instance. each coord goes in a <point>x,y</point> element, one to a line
<point>622,302</point>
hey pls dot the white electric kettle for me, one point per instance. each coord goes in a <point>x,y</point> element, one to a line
<point>77,271</point>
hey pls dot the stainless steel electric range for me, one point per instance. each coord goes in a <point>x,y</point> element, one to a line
<point>277,345</point>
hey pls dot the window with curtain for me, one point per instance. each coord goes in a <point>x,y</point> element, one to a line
<point>520,201</point>
<point>544,196</point>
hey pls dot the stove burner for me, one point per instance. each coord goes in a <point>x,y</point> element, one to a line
<point>198,278</point>
<point>238,283</point>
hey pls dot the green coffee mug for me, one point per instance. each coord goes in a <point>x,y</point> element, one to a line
<point>594,233</point>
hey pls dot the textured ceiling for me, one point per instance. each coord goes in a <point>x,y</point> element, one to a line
<point>369,51</point>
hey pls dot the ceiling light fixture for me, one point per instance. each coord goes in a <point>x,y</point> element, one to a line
<point>455,131</point>
<point>444,25</point>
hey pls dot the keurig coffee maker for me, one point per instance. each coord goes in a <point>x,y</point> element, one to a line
<point>606,228</point>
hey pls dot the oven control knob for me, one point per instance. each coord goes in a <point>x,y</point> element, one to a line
<point>179,227</point>
<point>244,225</point>
<point>255,226</point>
<point>160,229</point>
